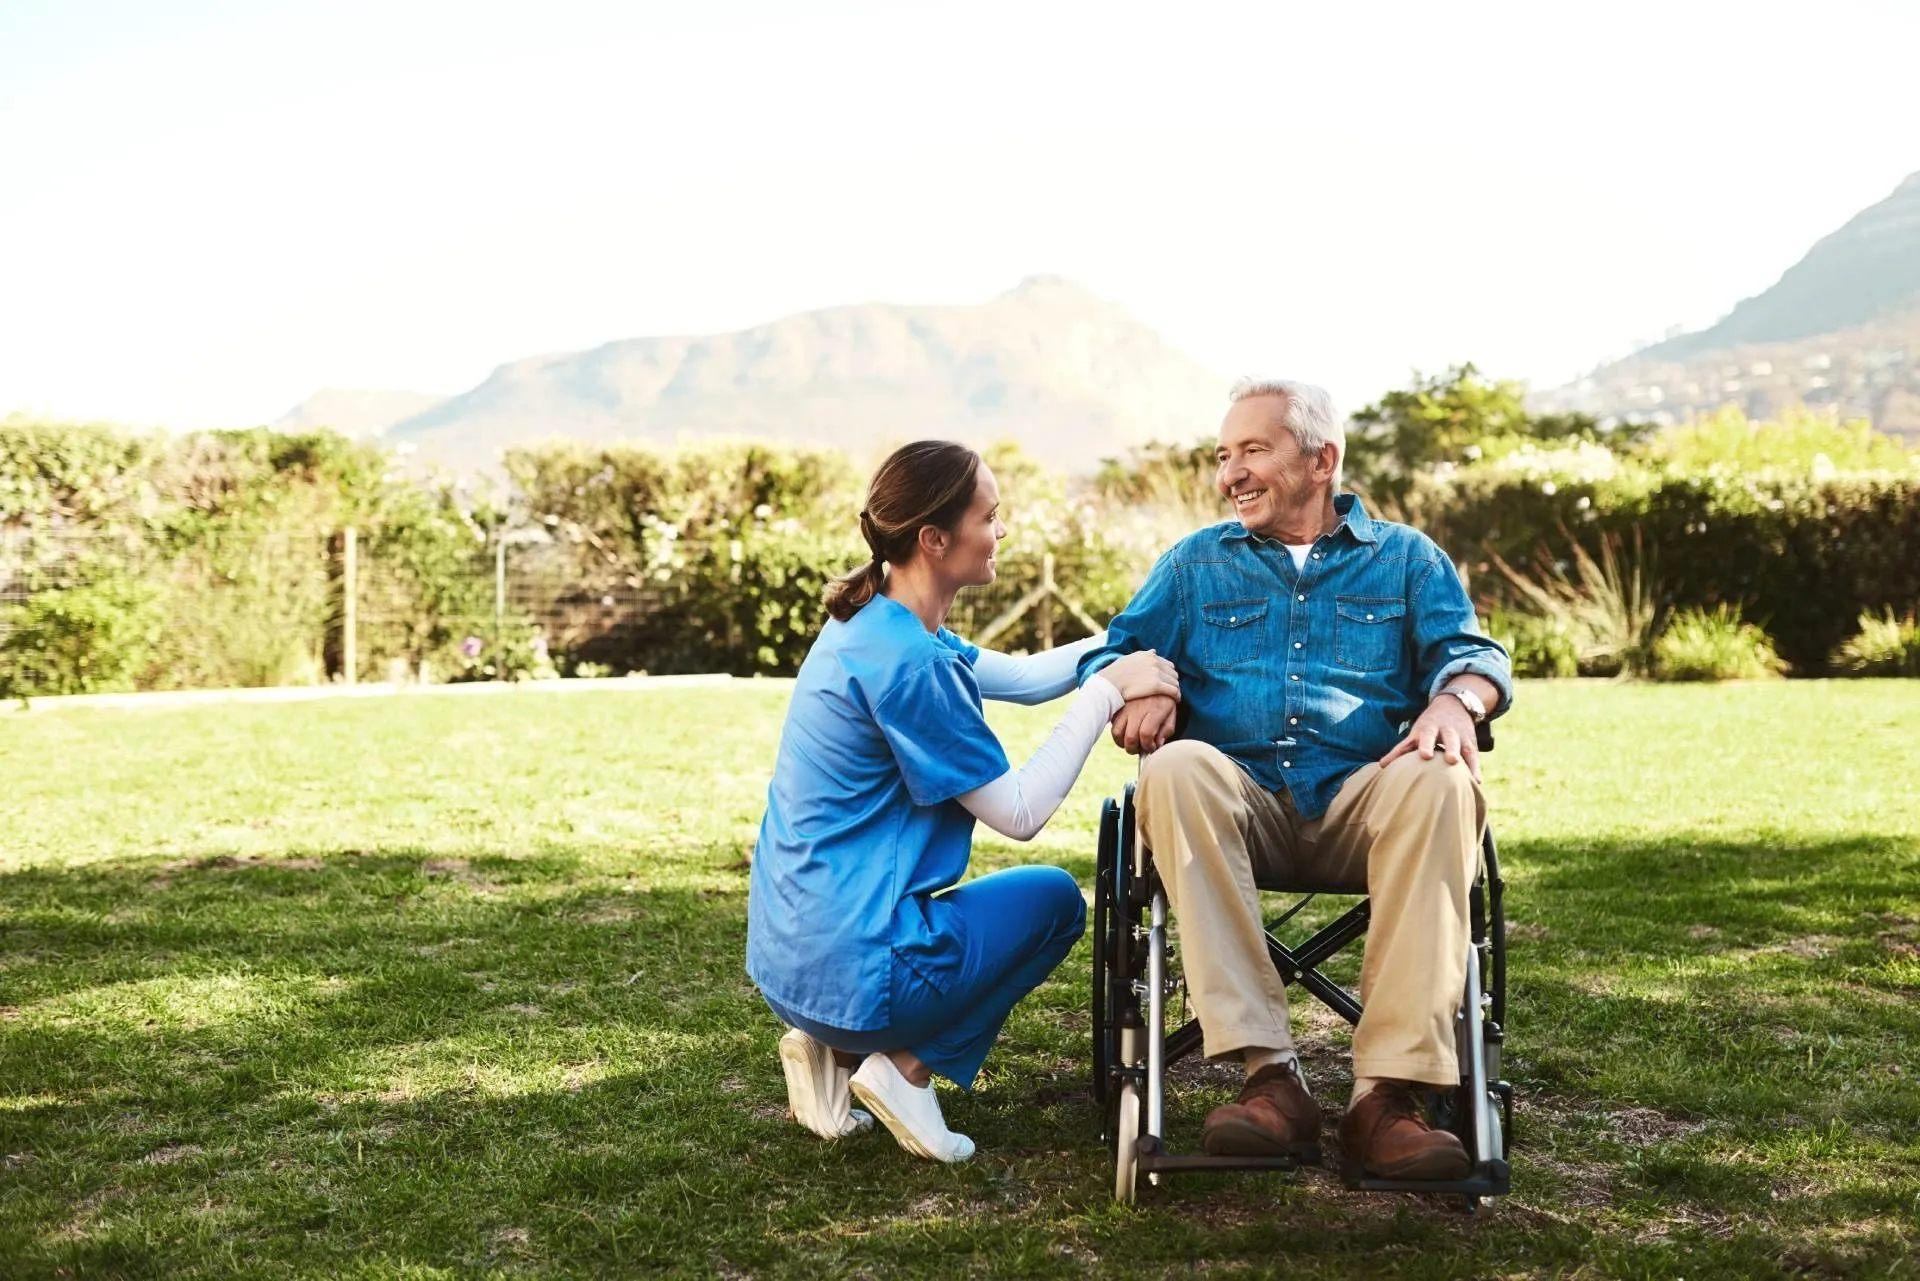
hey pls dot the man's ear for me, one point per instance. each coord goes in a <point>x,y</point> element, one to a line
<point>1326,461</point>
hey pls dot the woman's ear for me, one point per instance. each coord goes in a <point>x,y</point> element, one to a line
<point>933,541</point>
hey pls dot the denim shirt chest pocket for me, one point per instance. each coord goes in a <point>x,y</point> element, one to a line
<point>1369,632</point>
<point>1232,632</point>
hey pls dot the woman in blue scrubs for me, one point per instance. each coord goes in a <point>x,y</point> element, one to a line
<point>885,969</point>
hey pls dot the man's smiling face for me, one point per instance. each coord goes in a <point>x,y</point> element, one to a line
<point>1261,470</point>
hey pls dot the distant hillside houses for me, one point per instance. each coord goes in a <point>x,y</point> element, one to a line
<point>1840,329</point>
<point>1872,373</point>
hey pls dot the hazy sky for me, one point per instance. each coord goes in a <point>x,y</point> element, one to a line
<point>210,210</point>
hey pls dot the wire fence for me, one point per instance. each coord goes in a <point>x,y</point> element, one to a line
<point>350,606</point>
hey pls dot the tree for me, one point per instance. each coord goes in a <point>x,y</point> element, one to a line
<point>1453,417</point>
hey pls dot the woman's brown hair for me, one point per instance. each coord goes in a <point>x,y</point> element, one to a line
<point>929,482</point>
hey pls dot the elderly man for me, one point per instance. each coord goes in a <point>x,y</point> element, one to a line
<point>1308,635</point>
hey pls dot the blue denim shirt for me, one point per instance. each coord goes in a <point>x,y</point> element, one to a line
<point>1304,676</point>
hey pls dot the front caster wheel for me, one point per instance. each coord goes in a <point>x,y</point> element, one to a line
<point>1126,1146</point>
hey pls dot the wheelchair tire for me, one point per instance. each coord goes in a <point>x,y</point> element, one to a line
<point>1103,922</point>
<point>1126,1145</point>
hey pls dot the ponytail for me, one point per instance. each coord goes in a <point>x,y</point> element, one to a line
<point>847,593</point>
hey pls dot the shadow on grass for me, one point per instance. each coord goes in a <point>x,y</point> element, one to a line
<point>347,1059</point>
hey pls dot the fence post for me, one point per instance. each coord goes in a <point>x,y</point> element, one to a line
<point>499,587</point>
<point>349,605</point>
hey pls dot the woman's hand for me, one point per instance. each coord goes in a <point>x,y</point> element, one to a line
<point>1143,673</point>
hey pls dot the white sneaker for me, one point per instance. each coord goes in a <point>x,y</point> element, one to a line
<point>910,1111</point>
<point>817,1088</point>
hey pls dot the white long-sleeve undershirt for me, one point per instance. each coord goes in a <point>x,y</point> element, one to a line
<point>1032,678</point>
<point>1019,802</point>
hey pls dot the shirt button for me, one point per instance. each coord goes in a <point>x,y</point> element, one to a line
<point>1286,764</point>
<point>1293,720</point>
<point>1316,555</point>
<point>1293,678</point>
<point>1234,618</point>
<point>1369,618</point>
<point>1296,644</point>
<point>1302,597</point>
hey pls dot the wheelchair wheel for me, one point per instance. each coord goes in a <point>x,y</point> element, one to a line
<point>1104,918</point>
<point>1126,1140</point>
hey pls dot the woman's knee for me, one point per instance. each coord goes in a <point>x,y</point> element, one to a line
<point>1066,904</point>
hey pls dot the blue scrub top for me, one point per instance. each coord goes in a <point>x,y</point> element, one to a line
<point>861,830</point>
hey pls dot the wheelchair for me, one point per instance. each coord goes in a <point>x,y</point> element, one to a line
<point>1132,1047</point>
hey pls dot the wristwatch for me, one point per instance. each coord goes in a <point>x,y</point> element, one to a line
<point>1469,700</point>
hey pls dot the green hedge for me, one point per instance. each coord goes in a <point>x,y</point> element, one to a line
<point>1801,558</point>
<point>96,636</point>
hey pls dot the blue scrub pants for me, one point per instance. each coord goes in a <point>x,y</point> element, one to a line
<point>1019,925</point>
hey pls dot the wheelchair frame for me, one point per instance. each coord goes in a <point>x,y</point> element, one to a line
<point>1132,1048</point>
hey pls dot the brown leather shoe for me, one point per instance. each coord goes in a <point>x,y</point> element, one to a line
<point>1386,1135</point>
<point>1274,1116</point>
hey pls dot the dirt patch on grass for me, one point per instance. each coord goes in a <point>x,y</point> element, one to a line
<point>1805,947</point>
<point>170,1154</point>
<point>1632,1126</point>
<point>459,870</point>
<point>612,914</point>
<point>1641,1127</point>
<point>1809,947</point>
<point>1900,948</point>
<point>164,873</point>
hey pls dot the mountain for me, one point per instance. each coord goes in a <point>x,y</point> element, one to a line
<point>1072,377</point>
<point>355,413</point>
<point>1840,329</point>
<point>1865,271</point>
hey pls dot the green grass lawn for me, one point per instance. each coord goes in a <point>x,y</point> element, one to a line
<point>449,986</point>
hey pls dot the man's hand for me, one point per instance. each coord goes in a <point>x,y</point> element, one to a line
<point>1447,725</point>
<point>1145,724</point>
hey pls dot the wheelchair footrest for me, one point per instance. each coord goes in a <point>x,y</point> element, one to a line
<point>1491,1179</point>
<point>1154,1159</point>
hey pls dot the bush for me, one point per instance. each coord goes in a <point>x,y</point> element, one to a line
<point>1803,558</point>
<point>1540,647</point>
<point>98,636</point>
<point>1713,645</point>
<point>243,609</point>
<point>1606,606</point>
<point>1886,645</point>
<point>518,654</point>
<point>426,582</point>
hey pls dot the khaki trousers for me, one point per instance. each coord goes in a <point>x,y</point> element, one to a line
<point>1410,833</point>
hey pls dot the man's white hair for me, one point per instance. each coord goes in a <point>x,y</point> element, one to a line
<point>1310,416</point>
